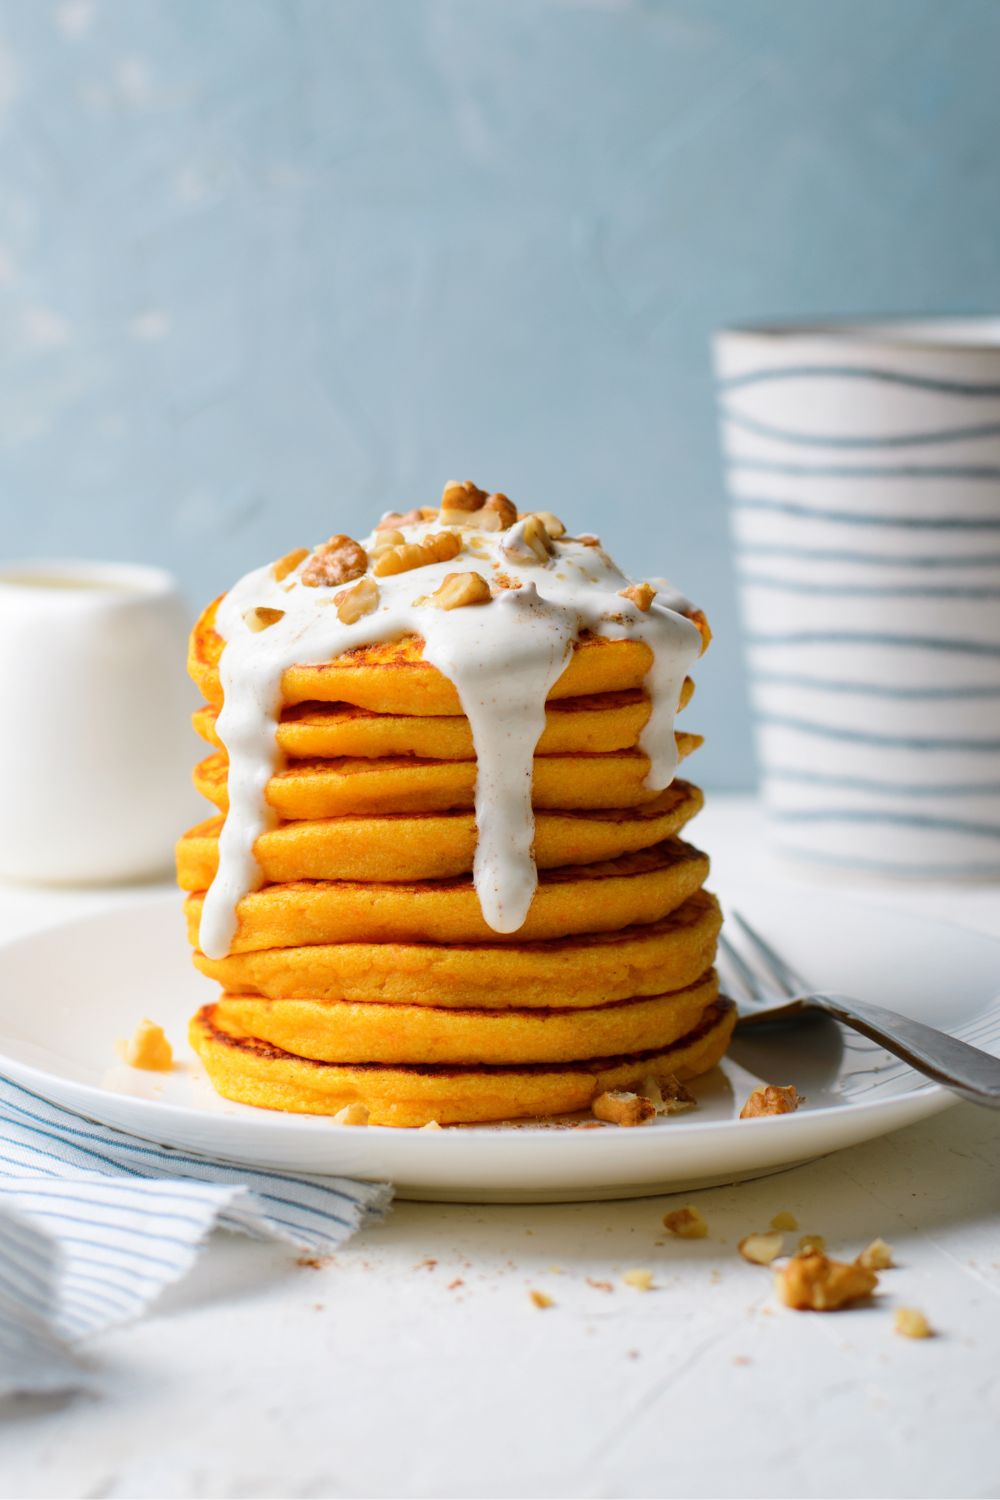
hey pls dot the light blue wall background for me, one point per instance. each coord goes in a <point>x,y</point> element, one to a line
<point>270,266</point>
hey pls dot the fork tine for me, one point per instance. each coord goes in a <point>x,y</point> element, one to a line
<point>748,978</point>
<point>791,982</point>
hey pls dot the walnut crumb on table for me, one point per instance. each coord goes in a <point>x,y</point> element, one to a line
<point>639,1278</point>
<point>686,1224</point>
<point>815,1283</point>
<point>877,1256</point>
<point>911,1323</point>
<point>541,1299</point>
<point>762,1249</point>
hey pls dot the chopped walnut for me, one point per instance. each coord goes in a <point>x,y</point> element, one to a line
<point>506,512</point>
<point>462,495</point>
<point>529,542</point>
<point>686,1223</point>
<point>395,518</point>
<point>261,617</point>
<point>669,1097</point>
<point>621,1107</point>
<point>911,1323</point>
<point>460,589</point>
<point>641,595</point>
<point>588,539</point>
<point>465,505</point>
<point>504,581</point>
<point>761,1249</point>
<point>351,1114</point>
<point>288,563</point>
<point>437,546</point>
<point>877,1256</point>
<point>357,601</point>
<point>336,561</point>
<point>386,539</point>
<point>784,1220</point>
<point>771,1099</point>
<point>640,1278</point>
<point>816,1283</point>
<point>552,524</point>
<point>147,1048</point>
<point>541,1299</point>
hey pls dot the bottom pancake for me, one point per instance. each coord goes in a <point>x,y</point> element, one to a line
<point>344,1031</point>
<point>249,1071</point>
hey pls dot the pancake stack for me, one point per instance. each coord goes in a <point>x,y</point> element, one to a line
<point>364,966</point>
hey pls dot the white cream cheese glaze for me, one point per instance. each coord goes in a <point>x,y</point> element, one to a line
<point>502,657</point>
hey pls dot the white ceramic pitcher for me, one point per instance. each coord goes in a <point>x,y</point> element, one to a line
<point>95,737</point>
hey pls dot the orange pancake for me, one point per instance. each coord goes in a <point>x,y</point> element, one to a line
<point>393,678</point>
<point>589,969</point>
<point>433,846</point>
<point>402,784</point>
<point>346,1031</point>
<point>254,1072</point>
<point>608,721</point>
<point>602,897</point>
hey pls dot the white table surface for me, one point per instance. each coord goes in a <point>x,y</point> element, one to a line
<point>416,1364</point>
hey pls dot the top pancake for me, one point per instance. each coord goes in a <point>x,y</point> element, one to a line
<point>393,677</point>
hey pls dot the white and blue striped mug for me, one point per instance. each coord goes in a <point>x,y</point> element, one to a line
<point>863,467</point>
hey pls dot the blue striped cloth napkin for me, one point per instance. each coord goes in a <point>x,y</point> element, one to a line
<point>95,1223</point>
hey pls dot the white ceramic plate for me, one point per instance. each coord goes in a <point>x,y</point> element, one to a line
<point>68,992</point>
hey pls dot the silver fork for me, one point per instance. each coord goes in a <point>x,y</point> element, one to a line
<point>967,1071</point>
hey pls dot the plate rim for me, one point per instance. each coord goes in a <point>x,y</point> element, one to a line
<point>925,1095</point>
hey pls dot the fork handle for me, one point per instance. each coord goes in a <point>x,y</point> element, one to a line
<point>966,1070</point>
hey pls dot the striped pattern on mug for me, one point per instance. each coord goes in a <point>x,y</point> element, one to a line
<point>865,498</point>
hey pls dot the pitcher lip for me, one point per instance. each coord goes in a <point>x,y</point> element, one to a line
<point>95,579</point>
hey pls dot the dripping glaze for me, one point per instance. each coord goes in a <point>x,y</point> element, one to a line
<point>502,657</point>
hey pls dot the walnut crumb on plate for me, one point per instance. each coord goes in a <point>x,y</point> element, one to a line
<point>147,1048</point>
<point>351,1114</point>
<point>622,1107</point>
<point>669,1097</point>
<point>771,1099</point>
